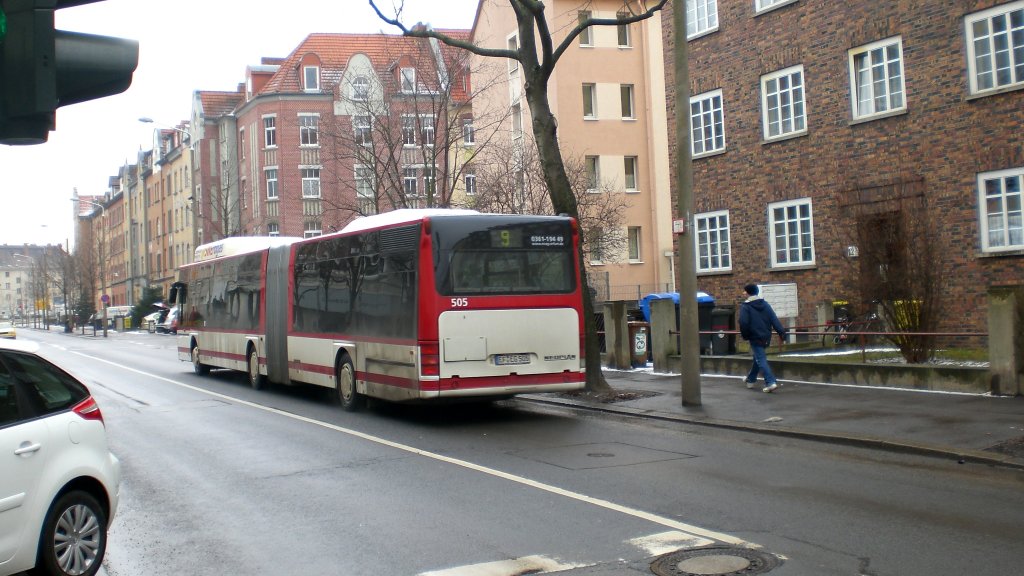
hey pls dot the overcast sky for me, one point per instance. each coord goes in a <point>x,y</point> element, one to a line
<point>185,45</point>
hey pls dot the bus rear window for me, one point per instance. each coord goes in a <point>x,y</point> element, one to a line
<point>504,258</point>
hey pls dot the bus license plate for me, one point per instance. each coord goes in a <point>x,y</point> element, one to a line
<point>510,359</point>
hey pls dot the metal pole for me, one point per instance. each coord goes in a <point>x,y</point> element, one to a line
<point>686,266</point>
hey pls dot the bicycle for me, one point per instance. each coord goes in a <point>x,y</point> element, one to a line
<point>838,330</point>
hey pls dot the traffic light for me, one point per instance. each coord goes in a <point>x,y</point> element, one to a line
<point>42,69</point>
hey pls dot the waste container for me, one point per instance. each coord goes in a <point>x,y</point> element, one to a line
<point>638,332</point>
<point>705,303</point>
<point>723,319</point>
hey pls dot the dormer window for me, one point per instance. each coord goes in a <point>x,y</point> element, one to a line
<point>311,78</point>
<point>360,88</point>
<point>408,80</point>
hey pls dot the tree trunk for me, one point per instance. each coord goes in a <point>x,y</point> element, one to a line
<point>563,200</point>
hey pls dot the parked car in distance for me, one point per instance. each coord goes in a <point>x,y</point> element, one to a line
<point>60,484</point>
<point>7,330</point>
<point>150,321</point>
<point>169,325</point>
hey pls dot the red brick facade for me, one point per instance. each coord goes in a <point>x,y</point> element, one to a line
<point>935,147</point>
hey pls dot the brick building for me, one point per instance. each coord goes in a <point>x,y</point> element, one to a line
<point>837,141</point>
<point>347,124</point>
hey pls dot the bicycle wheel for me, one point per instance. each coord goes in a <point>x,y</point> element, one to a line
<point>829,335</point>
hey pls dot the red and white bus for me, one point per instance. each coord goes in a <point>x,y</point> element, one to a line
<point>409,305</point>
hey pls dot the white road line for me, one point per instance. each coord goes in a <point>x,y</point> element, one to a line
<point>601,503</point>
<point>524,565</point>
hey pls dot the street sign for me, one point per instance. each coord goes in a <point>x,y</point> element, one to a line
<point>105,299</point>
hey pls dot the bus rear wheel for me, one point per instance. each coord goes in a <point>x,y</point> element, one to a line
<point>197,366</point>
<point>349,399</point>
<point>256,380</point>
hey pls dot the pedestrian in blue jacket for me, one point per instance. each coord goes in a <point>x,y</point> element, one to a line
<point>757,320</point>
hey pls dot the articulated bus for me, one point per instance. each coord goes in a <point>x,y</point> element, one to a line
<point>410,305</point>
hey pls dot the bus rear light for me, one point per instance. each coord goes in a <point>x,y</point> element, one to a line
<point>430,359</point>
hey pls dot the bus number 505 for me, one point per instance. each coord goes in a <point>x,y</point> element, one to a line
<point>460,302</point>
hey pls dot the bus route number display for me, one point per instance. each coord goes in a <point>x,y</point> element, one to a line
<point>513,238</point>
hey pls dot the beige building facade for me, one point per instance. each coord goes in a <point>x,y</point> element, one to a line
<point>608,95</point>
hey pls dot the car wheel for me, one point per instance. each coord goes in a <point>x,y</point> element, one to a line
<point>198,366</point>
<point>256,380</point>
<point>74,536</point>
<point>349,399</point>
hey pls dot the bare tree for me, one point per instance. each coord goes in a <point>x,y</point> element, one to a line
<point>537,54</point>
<point>899,266</point>
<point>509,181</point>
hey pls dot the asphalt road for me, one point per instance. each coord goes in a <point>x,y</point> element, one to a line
<point>220,479</point>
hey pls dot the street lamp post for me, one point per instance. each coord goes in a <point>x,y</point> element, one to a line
<point>104,299</point>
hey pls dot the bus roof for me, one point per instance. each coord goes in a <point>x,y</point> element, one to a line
<point>401,216</point>
<point>239,245</point>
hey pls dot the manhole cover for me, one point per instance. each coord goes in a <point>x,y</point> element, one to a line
<point>714,561</point>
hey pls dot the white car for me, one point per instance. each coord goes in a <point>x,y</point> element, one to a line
<point>59,483</point>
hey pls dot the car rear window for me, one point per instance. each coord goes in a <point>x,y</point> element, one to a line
<point>47,388</point>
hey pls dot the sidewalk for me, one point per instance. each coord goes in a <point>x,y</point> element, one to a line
<point>969,427</point>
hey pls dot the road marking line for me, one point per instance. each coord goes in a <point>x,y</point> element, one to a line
<point>598,502</point>
<point>524,565</point>
<point>665,542</point>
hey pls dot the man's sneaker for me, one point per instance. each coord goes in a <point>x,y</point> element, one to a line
<point>770,387</point>
<point>751,385</point>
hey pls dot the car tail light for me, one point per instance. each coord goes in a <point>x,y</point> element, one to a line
<point>88,409</point>
<point>583,350</point>
<point>430,359</point>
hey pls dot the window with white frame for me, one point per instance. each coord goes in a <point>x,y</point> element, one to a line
<point>876,78</point>
<point>713,249</point>
<point>269,131</point>
<point>701,17</point>
<point>782,103</point>
<point>408,130</point>
<point>589,101</point>
<point>409,182</point>
<point>792,233</point>
<point>633,242</point>
<point>468,134</point>
<point>630,167</point>
<point>512,43</point>
<point>707,123</point>
<point>429,180</point>
<point>626,92</point>
<point>364,182</point>
<point>271,178</point>
<point>765,5</point>
<point>625,40</point>
<point>361,128</point>
<point>999,207</point>
<point>311,78</point>
<point>470,184</point>
<point>360,88</point>
<point>592,167</point>
<point>311,229</point>
<point>586,37</point>
<point>408,80</point>
<point>241,147</point>
<point>273,229</point>
<point>595,248</point>
<point>310,182</point>
<point>309,129</point>
<point>517,121</point>
<point>427,129</point>
<point>995,48</point>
